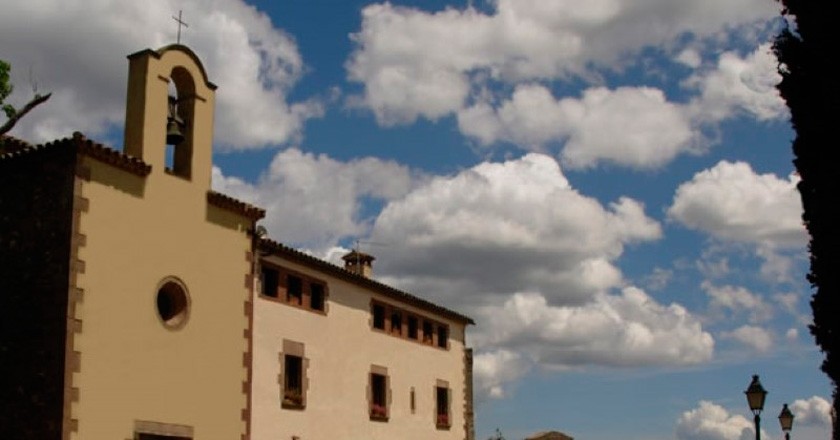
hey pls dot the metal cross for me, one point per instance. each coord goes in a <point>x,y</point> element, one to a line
<point>180,22</point>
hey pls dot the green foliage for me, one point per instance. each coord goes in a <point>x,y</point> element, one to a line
<point>807,52</point>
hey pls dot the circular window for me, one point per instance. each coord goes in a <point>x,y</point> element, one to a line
<point>173,303</point>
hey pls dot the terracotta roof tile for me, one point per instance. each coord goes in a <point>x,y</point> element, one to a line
<point>229,203</point>
<point>297,256</point>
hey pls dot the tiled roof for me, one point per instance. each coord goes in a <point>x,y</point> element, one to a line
<point>109,155</point>
<point>229,203</point>
<point>12,147</point>
<point>275,248</point>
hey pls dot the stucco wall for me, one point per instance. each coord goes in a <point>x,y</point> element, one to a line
<point>140,231</point>
<point>340,348</point>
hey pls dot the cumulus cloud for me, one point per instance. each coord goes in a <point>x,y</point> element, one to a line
<point>417,64</point>
<point>713,422</point>
<point>493,370</point>
<point>414,63</point>
<point>514,245</point>
<point>814,411</point>
<point>738,85</point>
<point>756,338</point>
<point>730,201</point>
<point>628,329</point>
<point>82,62</point>
<point>315,200</point>
<point>506,227</point>
<point>737,299</point>
<point>632,126</point>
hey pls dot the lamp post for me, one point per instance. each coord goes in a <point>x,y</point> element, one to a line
<point>755,398</point>
<point>786,420</point>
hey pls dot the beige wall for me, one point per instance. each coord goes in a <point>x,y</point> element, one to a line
<point>341,347</point>
<point>137,232</point>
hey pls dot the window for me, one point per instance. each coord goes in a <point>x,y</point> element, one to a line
<point>173,303</point>
<point>293,385</point>
<point>428,336</point>
<point>413,400</point>
<point>316,297</point>
<point>442,336</point>
<point>293,392</point>
<point>412,327</point>
<point>270,281</point>
<point>396,321</point>
<point>294,288</point>
<point>378,394</point>
<point>442,407</point>
<point>294,294</point>
<point>379,316</point>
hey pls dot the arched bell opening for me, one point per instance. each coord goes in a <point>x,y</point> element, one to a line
<point>180,123</point>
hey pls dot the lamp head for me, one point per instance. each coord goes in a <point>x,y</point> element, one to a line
<point>755,395</point>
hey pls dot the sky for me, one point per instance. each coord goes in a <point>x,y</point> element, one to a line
<point>605,186</point>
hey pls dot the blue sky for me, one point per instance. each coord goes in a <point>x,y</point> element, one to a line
<point>605,186</point>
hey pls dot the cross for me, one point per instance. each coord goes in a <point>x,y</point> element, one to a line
<point>180,22</point>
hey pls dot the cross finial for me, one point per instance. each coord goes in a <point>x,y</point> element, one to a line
<point>180,23</point>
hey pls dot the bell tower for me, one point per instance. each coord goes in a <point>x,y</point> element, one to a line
<point>169,113</point>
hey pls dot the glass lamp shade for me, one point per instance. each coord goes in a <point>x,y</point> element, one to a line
<point>786,419</point>
<point>755,395</point>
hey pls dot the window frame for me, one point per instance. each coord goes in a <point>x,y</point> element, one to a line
<point>443,409</point>
<point>283,293</point>
<point>379,400</point>
<point>412,326</point>
<point>294,399</point>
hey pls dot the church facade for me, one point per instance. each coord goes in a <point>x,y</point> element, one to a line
<point>145,306</point>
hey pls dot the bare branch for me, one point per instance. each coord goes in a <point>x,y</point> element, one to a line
<point>36,101</point>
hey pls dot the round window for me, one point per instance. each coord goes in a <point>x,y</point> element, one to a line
<point>173,303</point>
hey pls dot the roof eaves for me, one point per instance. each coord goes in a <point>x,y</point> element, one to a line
<point>280,249</point>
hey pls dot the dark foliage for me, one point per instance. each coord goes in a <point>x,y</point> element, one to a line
<point>806,50</point>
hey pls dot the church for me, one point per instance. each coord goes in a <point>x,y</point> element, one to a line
<point>142,305</point>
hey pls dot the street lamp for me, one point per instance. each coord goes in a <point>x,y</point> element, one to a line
<point>786,420</point>
<point>755,398</point>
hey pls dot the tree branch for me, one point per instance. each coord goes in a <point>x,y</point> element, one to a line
<point>36,101</point>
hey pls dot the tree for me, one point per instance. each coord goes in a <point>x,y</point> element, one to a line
<point>14,115</point>
<point>806,50</point>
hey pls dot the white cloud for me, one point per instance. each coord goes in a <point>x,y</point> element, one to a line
<point>505,227</point>
<point>514,245</point>
<point>492,370</point>
<point>737,299</point>
<point>629,329</point>
<point>731,202</point>
<point>757,338</point>
<point>82,62</point>
<point>713,422</point>
<point>316,200</point>
<point>812,411</point>
<point>792,334</point>
<point>419,64</point>
<point>632,126</point>
<point>738,86</point>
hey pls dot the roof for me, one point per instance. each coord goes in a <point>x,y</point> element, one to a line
<point>549,435</point>
<point>281,250</point>
<point>11,147</point>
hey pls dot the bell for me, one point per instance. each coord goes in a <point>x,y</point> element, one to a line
<point>174,136</point>
<point>173,132</point>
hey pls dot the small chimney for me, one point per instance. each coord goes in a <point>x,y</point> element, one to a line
<point>359,263</point>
